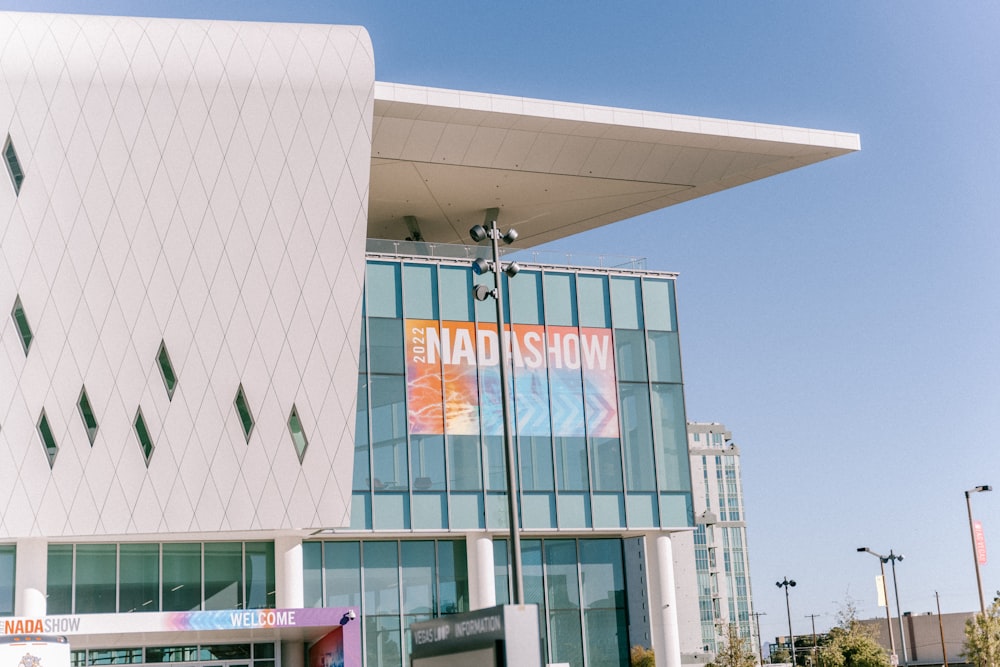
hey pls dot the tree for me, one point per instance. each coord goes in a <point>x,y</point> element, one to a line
<point>982,638</point>
<point>780,656</point>
<point>640,656</point>
<point>852,644</point>
<point>735,650</point>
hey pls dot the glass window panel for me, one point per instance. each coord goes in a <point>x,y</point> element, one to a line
<point>312,574</point>
<point>342,566</point>
<point>21,322</point>
<point>496,463</point>
<point>525,296</point>
<point>567,639</point>
<point>466,510</point>
<point>427,462</point>
<point>383,290</point>
<point>608,510</point>
<point>561,575</point>
<point>630,353</point>
<point>571,464</point>
<point>560,299</point>
<point>418,577</point>
<point>420,291</point>
<point>225,652</point>
<point>362,471</point>
<point>259,569</point>
<point>501,571</point>
<point>181,577</point>
<point>605,633</point>
<point>538,510</point>
<point>388,435</point>
<point>637,437</point>
<point>381,565</point>
<point>428,510</point>
<point>573,509</point>
<point>453,576</point>
<point>96,578</point>
<point>626,303</point>
<point>382,641</point>
<point>142,435</point>
<point>7,555</point>
<point>14,169</point>
<point>263,651</point>
<point>536,463</point>
<point>391,510</point>
<point>607,464</point>
<point>486,310</point>
<point>172,653</point>
<point>670,434</point>
<point>166,369</point>
<point>139,579</point>
<point>464,466</point>
<point>116,656</point>
<point>664,357</point>
<point>602,573</point>
<point>385,341</point>
<point>48,440</point>
<point>658,304</point>
<point>59,586</point>
<point>361,511</point>
<point>299,439</point>
<point>534,582</point>
<point>87,415</point>
<point>243,412</point>
<point>595,305</point>
<point>456,293</point>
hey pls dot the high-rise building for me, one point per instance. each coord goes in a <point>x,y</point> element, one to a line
<point>249,407</point>
<point>721,555</point>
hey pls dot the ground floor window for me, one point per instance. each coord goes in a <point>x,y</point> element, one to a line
<point>261,654</point>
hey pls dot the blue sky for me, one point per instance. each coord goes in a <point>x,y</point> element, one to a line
<point>841,320</point>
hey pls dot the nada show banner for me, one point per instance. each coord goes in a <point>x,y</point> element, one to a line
<point>453,379</point>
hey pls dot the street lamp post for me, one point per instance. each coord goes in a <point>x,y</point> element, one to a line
<point>481,293</point>
<point>760,645</point>
<point>893,557</point>
<point>972,533</point>
<point>885,595</point>
<point>786,583</point>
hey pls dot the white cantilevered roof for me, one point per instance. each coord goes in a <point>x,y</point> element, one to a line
<point>556,168</point>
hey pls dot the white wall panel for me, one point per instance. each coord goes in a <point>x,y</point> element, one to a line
<point>182,179</point>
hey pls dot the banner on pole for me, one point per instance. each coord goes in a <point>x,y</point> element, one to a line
<point>880,585</point>
<point>977,530</point>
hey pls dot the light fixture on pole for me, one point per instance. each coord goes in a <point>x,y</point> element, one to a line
<point>885,595</point>
<point>786,583</point>
<point>480,266</point>
<point>975,550</point>
<point>892,558</point>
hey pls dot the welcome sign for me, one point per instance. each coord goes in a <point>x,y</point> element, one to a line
<point>563,380</point>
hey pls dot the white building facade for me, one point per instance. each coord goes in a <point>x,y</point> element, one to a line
<point>218,438</point>
<point>722,556</point>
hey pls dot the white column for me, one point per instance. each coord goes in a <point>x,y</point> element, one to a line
<point>31,576</point>
<point>288,572</point>
<point>289,593</point>
<point>482,582</point>
<point>665,631</point>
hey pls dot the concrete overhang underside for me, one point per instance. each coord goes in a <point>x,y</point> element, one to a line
<point>554,168</point>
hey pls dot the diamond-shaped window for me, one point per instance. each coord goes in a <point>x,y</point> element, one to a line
<point>87,414</point>
<point>48,440</point>
<point>142,433</point>
<point>21,322</point>
<point>13,165</point>
<point>298,435</point>
<point>243,410</point>
<point>166,370</point>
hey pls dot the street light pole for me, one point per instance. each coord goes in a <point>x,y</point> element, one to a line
<point>892,557</point>
<point>481,293</point>
<point>760,645</point>
<point>885,595</point>
<point>972,533</point>
<point>786,583</point>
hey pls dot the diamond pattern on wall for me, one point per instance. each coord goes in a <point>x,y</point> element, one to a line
<point>201,186</point>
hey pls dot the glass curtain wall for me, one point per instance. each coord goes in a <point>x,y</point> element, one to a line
<point>7,563</point>
<point>173,576</point>
<point>392,583</point>
<point>579,587</point>
<point>597,401</point>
